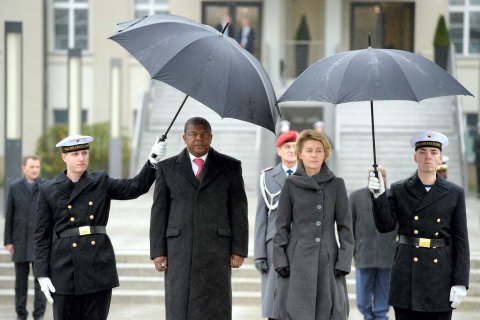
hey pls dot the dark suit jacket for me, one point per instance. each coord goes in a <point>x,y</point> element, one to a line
<point>199,225</point>
<point>250,39</point>
<point>424,285</point>
<point>372,248</point>
<point>20,219</point>
<point>81,264</point>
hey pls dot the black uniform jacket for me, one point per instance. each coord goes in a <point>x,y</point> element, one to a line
<point>422,277</point>
<point>20,218</point>
<point>81,264</point>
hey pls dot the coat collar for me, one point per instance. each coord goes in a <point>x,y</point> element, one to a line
<point>278,174</point>
<point>301,179</point>
<point>31,188</point>
<point>415,187</point>
<point>65,185</point>
<point>209,171</point>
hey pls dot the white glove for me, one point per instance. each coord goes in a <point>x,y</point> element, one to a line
<point>46,286</point>
<point>457,294</point>
<point>159,149</point>
<point>376,184</point>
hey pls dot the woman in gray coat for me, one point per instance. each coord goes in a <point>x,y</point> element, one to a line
<point>310,264</point>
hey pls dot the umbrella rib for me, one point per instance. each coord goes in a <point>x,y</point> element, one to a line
<point>403,74</point>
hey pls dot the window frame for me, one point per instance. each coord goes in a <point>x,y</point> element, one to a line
<point>71,6</point>
<point>151,7</point>
<point>466,9</point>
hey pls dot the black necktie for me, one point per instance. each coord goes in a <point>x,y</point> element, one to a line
<point>289,172</point>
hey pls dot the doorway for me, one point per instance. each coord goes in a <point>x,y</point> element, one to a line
<point>239,14</point>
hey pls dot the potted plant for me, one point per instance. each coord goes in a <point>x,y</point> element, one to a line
<point>441,43</point>
<point>301,46</point>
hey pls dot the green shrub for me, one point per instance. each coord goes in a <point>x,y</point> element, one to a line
<point>303,34</point>
<point>52,163</point>
<point>442,38</point>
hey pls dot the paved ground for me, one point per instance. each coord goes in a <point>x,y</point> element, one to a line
<point>128,229</point>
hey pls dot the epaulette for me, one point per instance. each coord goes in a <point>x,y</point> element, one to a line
<point>267,169</point>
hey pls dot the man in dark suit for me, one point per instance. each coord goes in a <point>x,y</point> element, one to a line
<point>246,36</point>
<point>373,255</point>
<point>19,233</point>
<point>74,257</point>
<point>432,261</point>
<point>230,31</point>
<point>198,227</point>
<point>271,182</point>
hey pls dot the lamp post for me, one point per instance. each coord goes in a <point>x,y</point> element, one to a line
<point>13,102</point>
<point>115,151</point>
<point>74,91</point>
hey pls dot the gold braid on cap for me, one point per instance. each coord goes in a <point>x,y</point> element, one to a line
<point>431,144</point>
<point>78,147</point>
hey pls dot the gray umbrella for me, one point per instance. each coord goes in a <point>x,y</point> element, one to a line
<point>199,61</point>
<point>372,74</point>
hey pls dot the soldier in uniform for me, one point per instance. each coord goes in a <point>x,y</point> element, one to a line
<point>431,268</point>
<point>74,258</point>
<point>271,183</point>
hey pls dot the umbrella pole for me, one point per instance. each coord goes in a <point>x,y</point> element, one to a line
<point>373,140</point>
<point>164,136</point>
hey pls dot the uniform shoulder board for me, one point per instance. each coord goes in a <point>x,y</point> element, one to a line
<point>267,169</point>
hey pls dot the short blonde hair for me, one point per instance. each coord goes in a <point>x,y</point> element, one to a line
<point>310,134</point>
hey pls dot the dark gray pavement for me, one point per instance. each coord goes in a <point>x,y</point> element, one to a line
<point>128,229</point>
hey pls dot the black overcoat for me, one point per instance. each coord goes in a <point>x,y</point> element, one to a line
<point>81,264</point>
<point>421,278</point>
<point>20,218</point>
<point>198,225</point>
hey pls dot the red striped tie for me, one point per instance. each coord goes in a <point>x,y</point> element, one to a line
<point>199,162</point>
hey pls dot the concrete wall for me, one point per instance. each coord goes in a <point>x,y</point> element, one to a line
<point>32,91</point>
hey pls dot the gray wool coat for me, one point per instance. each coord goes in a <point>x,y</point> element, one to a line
<point>421,278</point>
<point>305,241</point>
<point>264,231</point>
<point>20,218</point>
<point>372,248</point>
<point>198,225</point>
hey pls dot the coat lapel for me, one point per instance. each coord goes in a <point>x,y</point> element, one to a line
<point>414,187</point>
<point>83,183</point>
<point>212,167</point>
<point>185,168</point>
<point>438,190</point>
<point>64,184</point>
<point>279,175</point>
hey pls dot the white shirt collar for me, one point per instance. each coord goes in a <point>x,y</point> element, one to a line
<point>285,168</point>
<point>192,157</point>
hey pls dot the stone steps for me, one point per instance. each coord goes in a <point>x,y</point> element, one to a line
<point>141,283</point>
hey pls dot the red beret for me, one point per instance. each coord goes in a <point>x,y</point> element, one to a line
<point>289,136</point>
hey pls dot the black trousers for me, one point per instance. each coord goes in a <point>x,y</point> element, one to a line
<point>406,314</point>
<point>21,292</point>
<point>92,306</point>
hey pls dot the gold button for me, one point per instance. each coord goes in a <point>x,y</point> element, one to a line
<point>93,242</point>
<point>438,220</point>
<point>434,247</point>
<point>415,259</point>
<point>69,206</point>
<point>436,234</point>
<point>416,217</point>
<point>435,260</point>
<point>91,217</point>
<point>74,244</point>
<point>415,231</point>
<point>72,219</point>
<point>90,203</point>
<point>417,247</point>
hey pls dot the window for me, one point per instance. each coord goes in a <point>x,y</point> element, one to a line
<point>70,24</point>
<point>465,26</point>
<point>151,7</point>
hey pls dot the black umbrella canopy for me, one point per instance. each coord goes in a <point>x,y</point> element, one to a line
<point>371,75</point>
<point>201,62</point>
